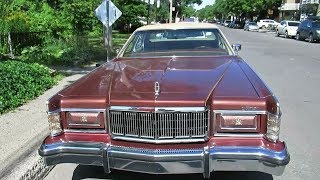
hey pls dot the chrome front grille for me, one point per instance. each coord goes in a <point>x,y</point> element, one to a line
<point>159,126</point>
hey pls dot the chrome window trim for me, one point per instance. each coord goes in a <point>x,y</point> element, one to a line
<point>235,112</point>
<point>159,110</point>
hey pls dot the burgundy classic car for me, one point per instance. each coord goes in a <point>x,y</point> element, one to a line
<point>177,99</point>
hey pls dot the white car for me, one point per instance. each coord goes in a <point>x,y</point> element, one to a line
<point>264,23</point>
<point>287,28</point>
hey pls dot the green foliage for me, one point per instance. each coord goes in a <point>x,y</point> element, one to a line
<point>225,8</point>
<point>74,51</point>
<point>133,12</point>
<point>21,82</point>
<point>181,6</point>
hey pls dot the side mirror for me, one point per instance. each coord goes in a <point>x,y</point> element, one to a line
<point>236,48</point>
<point>118,51</point>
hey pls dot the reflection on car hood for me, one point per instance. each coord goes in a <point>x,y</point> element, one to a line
<point>181,79</point>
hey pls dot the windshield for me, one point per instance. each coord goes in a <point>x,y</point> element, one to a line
<point>181,42</point>
<point>316,24</point>
<point>293,24</point>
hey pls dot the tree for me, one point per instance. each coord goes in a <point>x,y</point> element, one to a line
<point>181,6</point>
<point>133,13</point>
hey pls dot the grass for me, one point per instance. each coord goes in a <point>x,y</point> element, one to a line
<point>118,40</point>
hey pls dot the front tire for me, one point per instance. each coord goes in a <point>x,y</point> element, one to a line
<point>277,33</point>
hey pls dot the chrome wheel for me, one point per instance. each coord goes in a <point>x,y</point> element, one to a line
<point>286,34</point>
<point>311,39</point>
<point>298,37</point>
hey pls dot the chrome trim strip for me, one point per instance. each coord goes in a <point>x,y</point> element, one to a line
<point>160,141</point>
<point>253,135</point>
<point>239,112</point>
<point>180,109</point>
<point>76,110</point>
<point>158,109</point>
<point>89,131</point>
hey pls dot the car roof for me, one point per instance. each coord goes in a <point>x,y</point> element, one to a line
<point>182,25</point>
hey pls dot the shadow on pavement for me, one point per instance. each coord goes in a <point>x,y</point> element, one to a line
<point>94,172</point>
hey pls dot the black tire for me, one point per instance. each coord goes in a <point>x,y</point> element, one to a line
<point>277,33</point>
<point>311,38</point>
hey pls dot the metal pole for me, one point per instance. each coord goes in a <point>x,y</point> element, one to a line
<point>108,32</point>
<point>170,17</point>
<point>148,20</point>
<point>156,5</point>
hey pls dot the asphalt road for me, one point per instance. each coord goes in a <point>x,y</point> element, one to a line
<point>292,70</point>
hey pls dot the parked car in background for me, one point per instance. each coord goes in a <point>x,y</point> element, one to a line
<point>226,23</point>
<point>287,28</point>
<point>265,23</point>
<point>309,29</point>
<point>169,103</point>
<point>251,26</point>
<point>236,24</point>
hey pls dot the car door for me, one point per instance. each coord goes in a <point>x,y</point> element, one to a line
<point>304,29</point>
<point>281,27</point>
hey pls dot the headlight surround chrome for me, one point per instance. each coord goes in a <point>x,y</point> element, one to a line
<point>273,126</point>
<point>54,120</point>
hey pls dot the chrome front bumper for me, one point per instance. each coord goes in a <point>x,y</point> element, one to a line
<point>168,161</point>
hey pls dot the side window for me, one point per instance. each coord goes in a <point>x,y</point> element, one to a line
<point>137,45</point>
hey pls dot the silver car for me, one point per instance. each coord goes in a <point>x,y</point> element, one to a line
<point>251,26</point>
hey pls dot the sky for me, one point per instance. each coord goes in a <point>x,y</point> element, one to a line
<point>204,3</point>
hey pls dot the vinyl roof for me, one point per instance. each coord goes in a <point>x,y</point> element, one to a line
<point>182,25</point>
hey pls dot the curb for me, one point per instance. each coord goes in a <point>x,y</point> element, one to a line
<point>37,172</point>
<point>25,163</point>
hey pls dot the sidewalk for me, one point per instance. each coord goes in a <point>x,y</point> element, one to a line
<point>23,130</point>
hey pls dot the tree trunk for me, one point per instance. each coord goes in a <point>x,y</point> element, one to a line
<point>177,13</point>
<point>10,45</point>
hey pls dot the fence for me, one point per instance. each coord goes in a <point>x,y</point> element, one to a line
<point>19,40</point>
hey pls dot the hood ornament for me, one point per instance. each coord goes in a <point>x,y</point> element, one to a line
<point>156,88</point>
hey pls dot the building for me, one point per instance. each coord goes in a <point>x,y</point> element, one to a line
<point>290,10</point>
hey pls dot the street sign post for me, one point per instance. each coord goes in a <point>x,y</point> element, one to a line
<point>107,13</point>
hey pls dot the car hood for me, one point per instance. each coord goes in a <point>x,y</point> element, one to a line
<point>182,81</point>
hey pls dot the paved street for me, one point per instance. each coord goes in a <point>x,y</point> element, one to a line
<point>292,70</point>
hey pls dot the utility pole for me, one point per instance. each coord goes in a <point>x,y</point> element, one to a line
<point>108,33</point>
<point>148,20</point>
<point>170,17</point>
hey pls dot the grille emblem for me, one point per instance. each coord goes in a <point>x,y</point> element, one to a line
<point>83,119</point>
<point>156,88</point>
<point>238,122</point>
